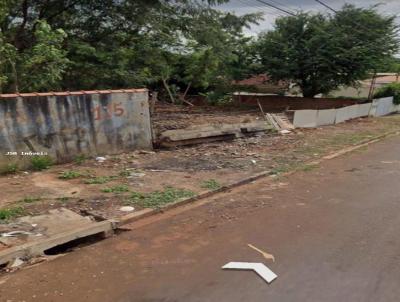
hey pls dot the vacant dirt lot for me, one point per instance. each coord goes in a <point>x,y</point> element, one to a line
<point>150,179</point>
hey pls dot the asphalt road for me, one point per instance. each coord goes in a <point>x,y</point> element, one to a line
<point>334,231</point>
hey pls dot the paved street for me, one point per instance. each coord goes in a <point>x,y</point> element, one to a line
<point>334,232</point>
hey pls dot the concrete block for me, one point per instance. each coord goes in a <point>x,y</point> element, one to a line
<point>363,109</point>
<point>385,106</point>
<point>352,111</point>
<point>341,115</point>
<point>374,106</point>
<point>305,118</point>
<point>326,117</point>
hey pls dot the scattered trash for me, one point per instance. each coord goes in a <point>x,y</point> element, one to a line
<point>126,209</point>
<point>100,159</point>
<point>284,131</point>
<point>253,161</point>
<point>265,254</point>
<point>17,262</point>
<point>16,233</point>
<point>263,271</point>
<point>136,174</point>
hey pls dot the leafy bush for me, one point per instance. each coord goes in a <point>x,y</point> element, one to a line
<point>41,162</point>
<point>389,90</point>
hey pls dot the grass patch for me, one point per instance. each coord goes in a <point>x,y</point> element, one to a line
<point>10,169</point>
<point>71,174</point>
<point>7,214</point>
<point>307,167</point>
<point>30,199</point>
<point>211,184</point>
<point>99,180</point>
<point>158,198</point>
<point>124,173</point>
<point>40,163</point>
<point>116,189</point>
<point>63,199</point>
<point>80,159</point>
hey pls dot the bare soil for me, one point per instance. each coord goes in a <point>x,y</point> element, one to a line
<point>182,168</point>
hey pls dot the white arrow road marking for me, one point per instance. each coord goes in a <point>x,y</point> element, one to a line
<point>259,268</point>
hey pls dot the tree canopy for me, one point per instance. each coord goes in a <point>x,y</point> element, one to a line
<point>183,46</point>
<point>102,44</point>
<point>320,53</point>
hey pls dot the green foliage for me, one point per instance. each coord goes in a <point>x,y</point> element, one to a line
<point>39,163</point>
<point>71,174</point>
<point>116,189</point>
<point>99,180</point>
<point>389,90</point>
<point>124,173</point>
<point>74,45</point>
<point>320,53</point>
<point>30,199</point>
<point>211,184</point>
<point>158,198</point>
<point>80,159</point>
<point>10,213</point>
<point>10,168</point>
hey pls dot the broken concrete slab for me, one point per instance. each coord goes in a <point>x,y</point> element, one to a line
<point>57,227</point>
<point>305,118</point>
<point>262,270</point>
<point>199,134</point>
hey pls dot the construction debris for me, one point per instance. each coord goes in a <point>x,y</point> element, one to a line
<point>207,133</point>
<point>265,254</point>
<point>57,227</point>
<point>279,121</point>
<point>126,209</point>
<point>263,271</point>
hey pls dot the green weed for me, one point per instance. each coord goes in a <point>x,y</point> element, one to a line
<point>116,189</point>
<point>80,159</point>
<point>71,174</point>
<point>158,198</point>
<point>30,199</point>
<point>7,214</point>
<point>10,168</point>
<point>211,184</point>
<point>99,180</point>
<point>39,163</point>
<point>124,173</point>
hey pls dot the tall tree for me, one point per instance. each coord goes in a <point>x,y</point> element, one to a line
<point>320,53</point>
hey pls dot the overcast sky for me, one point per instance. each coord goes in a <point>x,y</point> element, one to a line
<point>391,7</point>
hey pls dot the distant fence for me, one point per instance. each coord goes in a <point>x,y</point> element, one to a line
<point>64,125</point>
<point>315,118</point>
<point>276,103</point>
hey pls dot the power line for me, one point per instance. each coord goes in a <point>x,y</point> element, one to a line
<point>276,7</point>
<point>287,7</point>
<point>327,6</point>
<point>263,8</point>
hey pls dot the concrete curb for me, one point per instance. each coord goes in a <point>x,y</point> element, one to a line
<point>129,218</point>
